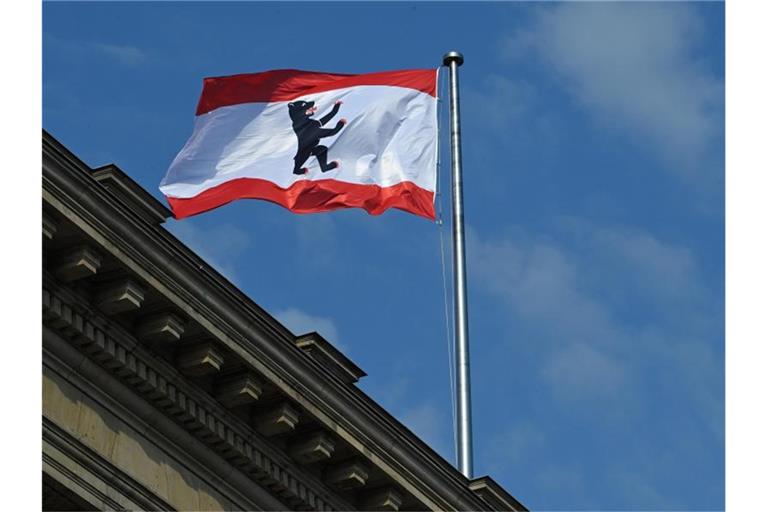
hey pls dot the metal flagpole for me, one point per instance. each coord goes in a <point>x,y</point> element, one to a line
<point>453,60</point>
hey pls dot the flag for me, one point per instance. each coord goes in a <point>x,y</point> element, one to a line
<point>311,142</point>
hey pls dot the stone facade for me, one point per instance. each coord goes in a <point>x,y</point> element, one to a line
<point>166,388</point>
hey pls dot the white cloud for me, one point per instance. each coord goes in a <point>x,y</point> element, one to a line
<point>577,302</point>
<point>429,423</point>
<point>300,323</point>
<point>663,271</point>
<point>580,370</point>
<point>566,479</point>
<point>220,245</point>
<point>500,101</point>
<point>541,283</point>
<point>128,55</point>
<point>635,67</point>
<point>658,271</point>
<point>519,444</point>
<point>316,240</point>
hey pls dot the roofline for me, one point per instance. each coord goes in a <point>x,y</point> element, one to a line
<point>313,341</point>
<point>250,331</point>
<point>155,211</point>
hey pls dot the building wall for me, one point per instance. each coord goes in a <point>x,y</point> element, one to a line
<point>111,458</point>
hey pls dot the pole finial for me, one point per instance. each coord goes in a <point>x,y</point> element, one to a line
<point>453,56</point>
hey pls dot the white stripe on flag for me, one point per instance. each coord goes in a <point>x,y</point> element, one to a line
<point>390,138</point>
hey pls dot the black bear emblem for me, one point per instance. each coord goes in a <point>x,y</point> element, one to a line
<point>310,131</point>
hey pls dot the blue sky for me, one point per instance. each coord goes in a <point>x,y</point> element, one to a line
<point>593,163</point>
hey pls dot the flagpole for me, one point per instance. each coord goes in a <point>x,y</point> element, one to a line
<point>453,60</point>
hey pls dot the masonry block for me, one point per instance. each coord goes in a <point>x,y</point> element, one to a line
<point>121,296</point>
<point>279,420</point>
<point>241,389</point>
<point>200,360</point>
<point>313,448</point>
<point>163,328</point>
<point>76,264</point>
<point>348,475</point>
<point>383,499</point>
<point>49,227</point>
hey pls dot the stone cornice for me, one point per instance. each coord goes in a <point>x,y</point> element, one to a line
<point>326,354</point>
<point>120,184</point>
<point>139,496</point>
<point>80,371</point>
<point>161,385</point>
<point>494,494</point>
<point>250,333</point>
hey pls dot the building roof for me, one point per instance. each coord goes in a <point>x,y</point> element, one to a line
<point>180,296</point>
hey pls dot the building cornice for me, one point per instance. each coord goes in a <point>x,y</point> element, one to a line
<point>200,415</point>
<point>131,193</point>
<point>332,359</point>
<point>248,331</point>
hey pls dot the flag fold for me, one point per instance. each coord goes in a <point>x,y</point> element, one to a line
<point>311,142</point>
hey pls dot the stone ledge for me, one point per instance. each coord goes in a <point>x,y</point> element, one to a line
<point>383,499</point>
<point>279,420</point>
<point>49,227</point>
<point>200,360</point>
<point>119,297</point>
<point>241,389</point>
<point>131,194</point>
<point>312,448</point>
<point>162,328</point>
<point>319,349</point>
<point>77,263</point>
<point>495,495</point>
<point>193,416</point>
<point>348,475</point>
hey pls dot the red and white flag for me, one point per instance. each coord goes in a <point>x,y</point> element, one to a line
<point>311,142</point>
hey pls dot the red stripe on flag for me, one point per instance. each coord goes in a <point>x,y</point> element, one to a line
<point>288,84</point>
<point>311,196</point>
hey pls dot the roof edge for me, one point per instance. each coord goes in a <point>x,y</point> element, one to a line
<point>120,184</point>
<point>495,495</point>
<point>320,349</point>
<point>363,418</point>
<point>131,193</point>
